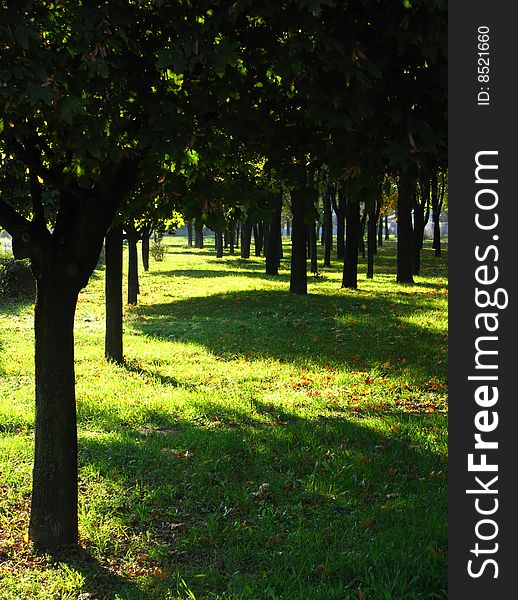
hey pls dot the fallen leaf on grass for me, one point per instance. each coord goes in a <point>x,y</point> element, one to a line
<point>320,570</point>
<point>262,492</point>
<point>275,540</point>
<point>156,571</point>
<point>176,453</point>
<point>367,524</point>
<point>178,526</point>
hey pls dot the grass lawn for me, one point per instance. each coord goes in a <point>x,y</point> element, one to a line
<point>256,445</point>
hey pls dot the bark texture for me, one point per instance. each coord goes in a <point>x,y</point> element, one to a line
<point>113,343</point>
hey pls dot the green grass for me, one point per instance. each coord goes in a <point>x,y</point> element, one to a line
<point>336,401</point>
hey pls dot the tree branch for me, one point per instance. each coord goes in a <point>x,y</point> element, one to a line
<point>31,158</point>
<point>27,237</point>
<point>12,221</point>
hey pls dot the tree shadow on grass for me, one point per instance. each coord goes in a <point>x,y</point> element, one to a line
<point>208,274</point>
<point>190,494</point>
<point>352,329</point>
<point>166,380</point>
<point>100,581</point>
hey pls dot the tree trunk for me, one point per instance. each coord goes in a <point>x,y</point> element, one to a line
<point>361,240</point>
<point>437,235</point>
<point>327,226</point>
<point>231,239</point>
<point>436,213</point>
<point>259,238</point>
<point>218,241</point>
<point>313,257</point>
<point>371,243</point>
<point>421,216</point>
<point>198,233</point>
<point>298,273</point>
<point>133,283</point>
<point>387,235</point>
<point>288,228</point>
<point>246,238</point>
<point>339,208</point>
<point>189,233</point>
<point>380,232</point>
<point>418,239</point>
<point>272,240</point>
<point>53,520</point>
<point>352,237</point>
<point>405,242</point>
<point>238,232</point>
<point>113,295</point>
<point>145,251</point>
<point>62,263</point>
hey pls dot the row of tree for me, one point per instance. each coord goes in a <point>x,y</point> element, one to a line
<point>115,112</point>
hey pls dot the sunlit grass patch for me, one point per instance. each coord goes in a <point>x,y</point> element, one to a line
<point>256,444</point>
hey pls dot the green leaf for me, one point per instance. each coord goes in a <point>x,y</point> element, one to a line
<point>68,108</point>
<point>224,55</point>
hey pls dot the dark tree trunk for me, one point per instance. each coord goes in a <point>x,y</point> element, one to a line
<point>327,226</point>
<point>361,240</point>
<point>436,213</point>
<point>246,238</point>
<point>421,216</point>
<point>272,239</point>
<point>288,228</point>
<point>313,257</point>
<point>259,238</point>
<point>133,282</point>
<point>238,232</point>
<point>436,235</point>
<point>405,242</point>
<point>113,295</point>
<point>231,242</point>
<point>62,263</point>
<point>371,243</point>
<point>189,233</point>
<point>339,208</point>
<point>198,234</point>
<point>418,240</point>
<point>145,250</point>
<point>352,237</point>
<point>218,241</point>
<point>387,235</point>
<point>380,231</point>
<point>298,273</point>
<point>53,519</point>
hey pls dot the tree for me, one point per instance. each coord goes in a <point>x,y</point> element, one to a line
<point>76,116</point>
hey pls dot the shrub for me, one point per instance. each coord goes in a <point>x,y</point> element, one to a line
<point>16,280</point>
<point>157,250</point>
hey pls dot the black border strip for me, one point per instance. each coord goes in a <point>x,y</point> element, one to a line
<point>476,126</point>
